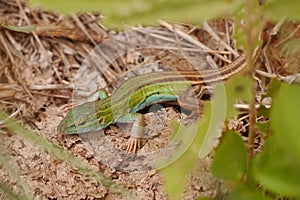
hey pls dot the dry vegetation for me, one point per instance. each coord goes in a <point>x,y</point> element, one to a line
<point>39,69</point>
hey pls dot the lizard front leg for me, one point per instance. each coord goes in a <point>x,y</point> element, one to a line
<point>99,94</point>
<point>134,142</point>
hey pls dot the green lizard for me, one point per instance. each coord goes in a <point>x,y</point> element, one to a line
<point>142,91</point>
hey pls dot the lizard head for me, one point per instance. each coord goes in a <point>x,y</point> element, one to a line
<point>84,118</point>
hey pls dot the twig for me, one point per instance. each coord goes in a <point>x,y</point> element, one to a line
<point>82,27</point>
<point>218,39</point>
<point>190,39</point>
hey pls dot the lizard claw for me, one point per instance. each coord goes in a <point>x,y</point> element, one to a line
<point>133,144</point>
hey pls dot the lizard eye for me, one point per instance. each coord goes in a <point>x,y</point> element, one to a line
<point>82,123</point>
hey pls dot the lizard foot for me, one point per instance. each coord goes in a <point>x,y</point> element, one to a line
<point>133,144</point>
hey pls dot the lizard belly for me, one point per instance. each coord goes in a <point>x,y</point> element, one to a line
<point>153,99</point>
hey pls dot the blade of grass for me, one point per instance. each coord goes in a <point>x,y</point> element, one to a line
<point>77,163</point>
<point>9,192</point>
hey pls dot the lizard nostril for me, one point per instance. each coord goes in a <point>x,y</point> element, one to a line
<point>100,120</point>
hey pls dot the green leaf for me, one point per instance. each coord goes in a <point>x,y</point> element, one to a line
<point>207,132</point>
<point>277,9</point>
<point>141,11</point>
<point>285,119</point>
<point>264,126</point>
<point>176,174</point>
<point>276,170</point>
<point>245,192</point>
<point>222,106</point>
<point>182,162</point>
<point>277,166</point>
<point>215,113</point>
<point>237,88</point>
<point>230,158</point>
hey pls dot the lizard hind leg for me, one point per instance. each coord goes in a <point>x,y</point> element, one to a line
<point>190,101</point>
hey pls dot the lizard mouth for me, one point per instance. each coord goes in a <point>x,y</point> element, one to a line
<point>61,128</point>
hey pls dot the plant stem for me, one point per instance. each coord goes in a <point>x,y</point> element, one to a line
<point>251,31</point>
